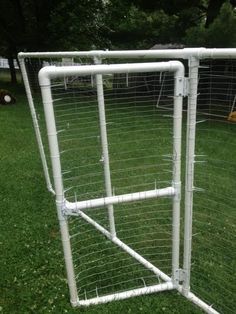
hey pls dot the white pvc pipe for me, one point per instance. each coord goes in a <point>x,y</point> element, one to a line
<point>189,174</point>
<point>196,300</point>
<point>49,72</point>
<point>36,125</point>
<point>128,294</point>
<point>59,190</point>
<point>176,176</point>
<point>207,308</point>
<point>105,152</point>
<point>186,53</point>
<point>118,199</point>
<point>142,260</point>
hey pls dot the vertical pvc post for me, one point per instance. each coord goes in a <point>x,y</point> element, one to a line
<point>59,190</point>
<point>189,177</point>
<point>105,152</point>
<point>36,125</point>
<point>177,135</point>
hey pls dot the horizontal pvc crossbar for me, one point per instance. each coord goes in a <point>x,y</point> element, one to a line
<point>50,72</point>
<point>128,294</point>
<point>126,248</point>
<point>118,199</point>
<point>185,53</point>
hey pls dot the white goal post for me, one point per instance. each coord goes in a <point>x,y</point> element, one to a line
<point>67,208</point>
<point>202,72</point>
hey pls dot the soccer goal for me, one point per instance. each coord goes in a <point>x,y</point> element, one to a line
<point>115,163</point>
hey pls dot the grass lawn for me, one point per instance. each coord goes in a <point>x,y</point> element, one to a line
<point>32,268</point>
<point>5,75</point>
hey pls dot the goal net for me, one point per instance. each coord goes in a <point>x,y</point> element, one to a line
<point>110,145</point>
<point>213,254</point>
<point>139,115</point>
<point>30,67</point>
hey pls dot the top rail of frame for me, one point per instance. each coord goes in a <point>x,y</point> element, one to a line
<point>49,72</point>
<point>185,53</point>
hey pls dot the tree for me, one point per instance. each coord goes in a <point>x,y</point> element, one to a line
<point>213,10</point>
<point>78,25</point>
<point>183,13</point>
<point>141,23</point>
<point>23,26</point>
<point>220,33</point>
<point>87,24</point>
<point>139,29</point>
<point>42,25</point>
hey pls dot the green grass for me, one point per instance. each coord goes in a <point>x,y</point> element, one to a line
<point>214,218</point>
<point>32,268</point>
<point>5,75</point>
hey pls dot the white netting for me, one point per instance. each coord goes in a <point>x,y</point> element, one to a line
<point>32,67</point>
<point>214,215</point>
<point>34,64</point>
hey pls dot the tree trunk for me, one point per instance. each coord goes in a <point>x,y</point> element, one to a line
<point>12,70</point>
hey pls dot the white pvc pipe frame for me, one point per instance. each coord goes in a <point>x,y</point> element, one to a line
<point>194,55</point>
<point>65,207</point>
<point>186,53</point>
